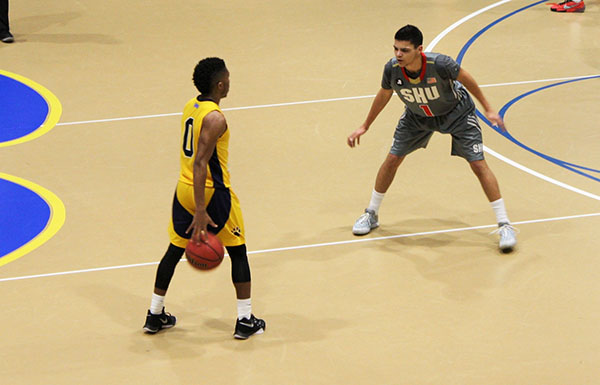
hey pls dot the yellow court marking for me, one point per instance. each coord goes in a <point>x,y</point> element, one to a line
<point>55,222</point>
<point>54,109</point>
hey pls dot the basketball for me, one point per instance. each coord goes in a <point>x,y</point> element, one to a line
<point>205,256</point>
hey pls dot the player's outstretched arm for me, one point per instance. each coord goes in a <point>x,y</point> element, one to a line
<point>469,82</point>
<point>381,100</point>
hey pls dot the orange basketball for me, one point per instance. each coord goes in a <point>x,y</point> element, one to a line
<point>205,256</point>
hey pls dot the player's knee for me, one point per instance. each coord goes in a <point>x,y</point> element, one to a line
<point>392,162</point>
<point>240,268</point>
<point>479,167</point>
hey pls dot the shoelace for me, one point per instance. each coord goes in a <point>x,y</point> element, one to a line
<point>165,315</point>
<point>365,218</point>
<point>504,228</point>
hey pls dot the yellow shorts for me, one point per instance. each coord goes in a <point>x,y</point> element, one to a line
<point>222,205</point>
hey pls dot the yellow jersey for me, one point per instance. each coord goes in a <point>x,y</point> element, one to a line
<point>191,124</point>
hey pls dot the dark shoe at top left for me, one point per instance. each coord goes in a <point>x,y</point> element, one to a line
<point>7,37</point>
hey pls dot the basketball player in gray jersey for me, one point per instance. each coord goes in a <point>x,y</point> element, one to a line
<point>432,86</point>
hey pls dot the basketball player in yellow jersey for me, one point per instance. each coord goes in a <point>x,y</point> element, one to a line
<point>204,179</point>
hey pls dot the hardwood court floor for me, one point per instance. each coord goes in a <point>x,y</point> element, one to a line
<point>425,299</point>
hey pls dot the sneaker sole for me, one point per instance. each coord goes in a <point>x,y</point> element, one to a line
<point>362,232</point>
<point>507,249</point>
<point>153,331</point>
<point>244,337</point>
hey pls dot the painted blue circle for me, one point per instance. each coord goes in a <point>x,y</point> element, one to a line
<point>22,109</point>
<point>578,169</point>
<point>23,215</point>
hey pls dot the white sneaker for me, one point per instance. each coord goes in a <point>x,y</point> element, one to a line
<point>365,223</point>
<point>508,237</point>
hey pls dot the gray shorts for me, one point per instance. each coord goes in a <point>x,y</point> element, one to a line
<point>413,131</point>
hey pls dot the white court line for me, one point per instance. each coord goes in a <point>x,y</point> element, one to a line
<point>118,119</point>
<point>541,176</point>
<point>539,81</point>
<point>430,47</point>
<point>327,244</point>
<point>489,150</point>
<point>306,102</point>
<point>439,37</point>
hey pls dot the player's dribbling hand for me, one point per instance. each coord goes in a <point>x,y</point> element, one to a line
<point>354,138</point>
<point>198,225</point>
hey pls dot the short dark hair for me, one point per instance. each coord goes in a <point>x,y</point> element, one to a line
<point>206,73</point>
<point>410,33</point>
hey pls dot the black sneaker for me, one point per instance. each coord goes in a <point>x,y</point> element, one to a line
<point>155,322</point>
<point>7,37</point>
<point>245,327</point>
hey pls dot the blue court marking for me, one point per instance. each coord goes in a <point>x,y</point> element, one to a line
<point>22,109</point>
<point>464,49</point>
<point>29,214</point>
<point>569,166</point>
<point>24,215</point>
<point>27,109</point>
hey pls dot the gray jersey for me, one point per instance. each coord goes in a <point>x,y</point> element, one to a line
<point>435,92</point>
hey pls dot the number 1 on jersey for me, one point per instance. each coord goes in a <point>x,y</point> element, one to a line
<point>426,109</point>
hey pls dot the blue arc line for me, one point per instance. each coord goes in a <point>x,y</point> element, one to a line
<point>559,162</point>
<point>464,49</point>
<point>569,166</point>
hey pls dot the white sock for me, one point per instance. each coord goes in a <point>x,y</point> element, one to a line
<point>376,199</point>
<point>500,211</point>
<point>157,304</point>
<point>244,308</point>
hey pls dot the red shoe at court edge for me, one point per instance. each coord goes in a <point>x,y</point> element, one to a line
<point>568,6</point>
